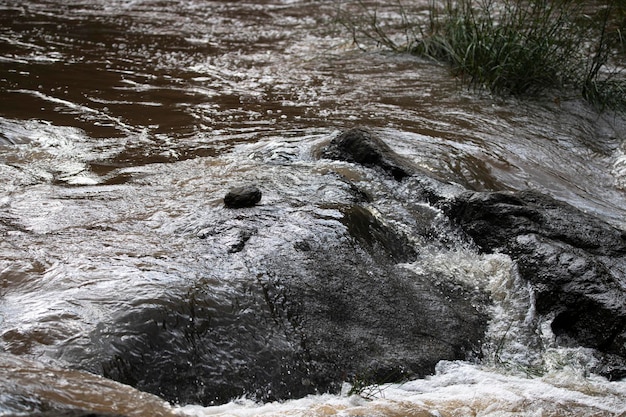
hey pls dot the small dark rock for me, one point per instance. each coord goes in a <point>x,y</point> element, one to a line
<point>245,196</point>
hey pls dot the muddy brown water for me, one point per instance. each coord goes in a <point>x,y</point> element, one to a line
<point>123,123</point>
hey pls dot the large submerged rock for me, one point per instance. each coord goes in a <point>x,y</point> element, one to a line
<point>334,301</point>
<point>575,262</point>
<point>365,148</point>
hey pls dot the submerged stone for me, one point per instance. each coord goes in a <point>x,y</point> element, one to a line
<point>327,294</point>
<point>364,147</point>
<point>243,196</point>
<point>575,262</point>
<point>326,303</point>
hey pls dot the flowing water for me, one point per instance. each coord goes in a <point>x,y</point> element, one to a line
<point>124,122</point>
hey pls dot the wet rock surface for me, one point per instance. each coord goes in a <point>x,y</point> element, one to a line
<point>333,300</point>
<point>366,148</point>
<point>332,305</point>
<point>575,262</point>
<point>243,196</point>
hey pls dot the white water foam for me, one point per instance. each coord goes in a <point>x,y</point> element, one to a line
<point>45,153</point>
<point>457,389</point>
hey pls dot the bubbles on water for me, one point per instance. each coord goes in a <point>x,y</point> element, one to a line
<point>513,338</point>
<point>619,167</point>
<point>457,389</point>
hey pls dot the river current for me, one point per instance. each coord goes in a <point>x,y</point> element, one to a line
<point>124,122</point>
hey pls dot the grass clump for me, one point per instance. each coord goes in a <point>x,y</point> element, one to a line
<point>518,47</point>
<point>524,50</point>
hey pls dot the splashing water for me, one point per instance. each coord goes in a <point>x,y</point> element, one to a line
<point>122,124</point>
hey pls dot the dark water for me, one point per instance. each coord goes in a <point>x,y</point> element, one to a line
<point>123,123</point>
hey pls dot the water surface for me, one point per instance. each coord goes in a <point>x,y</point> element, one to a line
<point>123,123</point>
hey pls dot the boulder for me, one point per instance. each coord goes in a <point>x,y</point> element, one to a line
<point>329,304</point>
<point>243,196</point>
<point>575,262</point>
<point>366,148</point>
<point>492,219</point>
<point>283,315</point>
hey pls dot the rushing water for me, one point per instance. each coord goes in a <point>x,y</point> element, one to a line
<point>123,123</point>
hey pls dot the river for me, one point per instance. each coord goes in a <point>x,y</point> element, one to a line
<point>124,122</point>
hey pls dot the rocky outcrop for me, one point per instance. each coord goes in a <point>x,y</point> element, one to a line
<point>335,301</point>
<point>331,305</point>
<point>575,262</point>
<point>366,148</point>
<point>492,219</point>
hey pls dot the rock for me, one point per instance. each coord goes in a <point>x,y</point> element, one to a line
<point>329,298</point>
<point>364,147</point>
<point>494,218</point>
<point>378,238</point>
<point>332,303</point>
<point>244,196</point>
<point>575,262</point>
<point>359,319</point>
